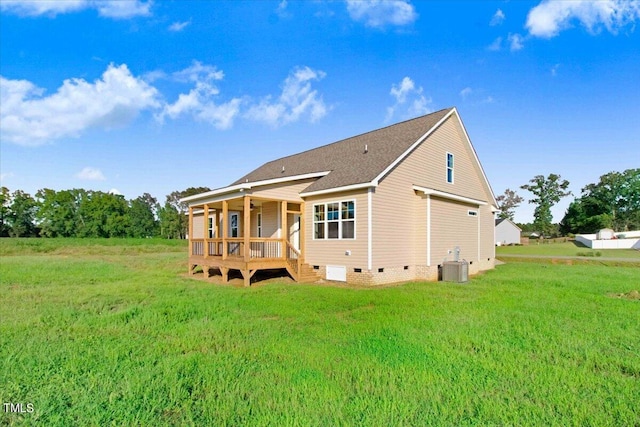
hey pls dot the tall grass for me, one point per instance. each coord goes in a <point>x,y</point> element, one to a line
<point>127,339</point>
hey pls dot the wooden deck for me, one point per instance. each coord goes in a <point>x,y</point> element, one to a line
<point>230,254</point>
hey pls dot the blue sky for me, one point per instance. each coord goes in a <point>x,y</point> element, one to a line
<point>157,96</point>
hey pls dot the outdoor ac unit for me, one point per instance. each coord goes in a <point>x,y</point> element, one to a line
<point>455,271</point>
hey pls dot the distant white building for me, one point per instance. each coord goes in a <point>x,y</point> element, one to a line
<point>507,232</point>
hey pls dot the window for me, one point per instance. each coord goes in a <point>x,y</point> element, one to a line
<point>212,230</point>
<point>450,168</point>
<point>334,220</point>
<point>259,221</point>
<point>233,225</point>
<point>472,213</point>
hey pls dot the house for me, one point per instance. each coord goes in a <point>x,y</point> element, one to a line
<point>507,232</point>
<point>385,206</point>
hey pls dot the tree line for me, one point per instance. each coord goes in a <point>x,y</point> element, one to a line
<point>86,213</point>
<point>612,202</point>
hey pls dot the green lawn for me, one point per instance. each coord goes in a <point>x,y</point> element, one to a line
<point>121,337</point>
<point>566,249</point>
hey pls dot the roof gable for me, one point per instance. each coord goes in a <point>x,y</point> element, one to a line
<point>373,153</point>
<point>507,221</point>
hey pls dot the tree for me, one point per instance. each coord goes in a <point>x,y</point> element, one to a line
<point>612,202</point>
<point>142,213</point>
<point>58,214</point>
<point>103,215</point>
<point>175,212</point>
<point>22,214</point>
<point>171,220</point>
<point>5,202</point>
<point>507,203</point>
<point>547,191</point>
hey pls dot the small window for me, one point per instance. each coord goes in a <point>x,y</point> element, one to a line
<point>357,270</point>
<point>381,270</point>
<point>450,168</point>
<point>472,213</point>
<point>259,221</point>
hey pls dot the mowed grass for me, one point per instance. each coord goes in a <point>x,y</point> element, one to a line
<point>127,339</point>
<point>566,249</point>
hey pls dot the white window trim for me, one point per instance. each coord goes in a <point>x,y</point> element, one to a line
<point>453,174</point>
<point>340,220</point>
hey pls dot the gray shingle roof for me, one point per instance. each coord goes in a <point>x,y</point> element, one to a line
<point>346,159</point>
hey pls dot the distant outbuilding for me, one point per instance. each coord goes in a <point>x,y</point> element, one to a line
<point>605,234</point>
<point>507,232</point>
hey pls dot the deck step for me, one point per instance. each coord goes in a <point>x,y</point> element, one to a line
<point>308,274</point>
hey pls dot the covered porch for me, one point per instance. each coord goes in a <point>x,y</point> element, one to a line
<point>247,233</point>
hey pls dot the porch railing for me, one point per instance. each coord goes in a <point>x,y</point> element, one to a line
<point>259,248</point>
<point>293,258</point>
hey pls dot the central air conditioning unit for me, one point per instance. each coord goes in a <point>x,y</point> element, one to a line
<point>455,271</point>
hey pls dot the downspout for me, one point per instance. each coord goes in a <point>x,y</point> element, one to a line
<point>428,230</point>
<point>369,229</point>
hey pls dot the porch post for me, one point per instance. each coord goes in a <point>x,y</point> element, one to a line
<point>225,213</point>
<point>247,227</point>
<point>302,231</point>
<point>190,232</point>
<point>217,225</point>
<point>205,249</point>
<point>283,226</point>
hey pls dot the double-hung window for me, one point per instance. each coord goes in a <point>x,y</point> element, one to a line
<point>334,220</point>
<point>450,168</point>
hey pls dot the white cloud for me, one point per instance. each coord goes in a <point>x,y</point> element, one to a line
<point>550,17</point>
<point>6,175</point>
<point>30,118</point>
<point>176,27</point>
<point>496,44</point>
<point>282,11</point>
<point>406,94</point>
<point>498,18</point>
<point>120,9</point>
<point>297,100</point>
<point>515,42</point>
<point>475,96</point>
<point>115,191</point>
<point>554,70</point>
<point>379,13</point>
<point>90,174</point>
<point>199,101</point>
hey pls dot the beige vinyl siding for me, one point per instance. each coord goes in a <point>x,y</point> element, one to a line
<point>394,222</point>
<point>399,215</point>
<point>270,222</point>
<point>198,227</point>
<point>284,191</point>
<point>419,229</point>
<point>452,226</point>
<point>487,228</point>
<point>332,251</point>
<point>427,165</point>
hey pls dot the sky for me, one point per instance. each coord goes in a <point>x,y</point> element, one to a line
<point>150,96</point>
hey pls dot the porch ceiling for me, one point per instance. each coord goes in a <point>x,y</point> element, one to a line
<point>236,202</point>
